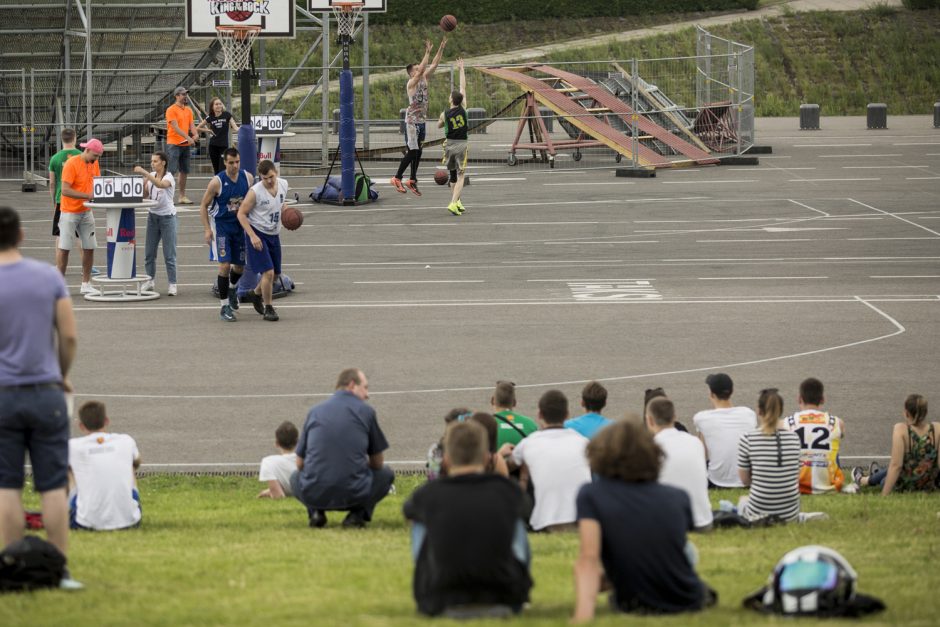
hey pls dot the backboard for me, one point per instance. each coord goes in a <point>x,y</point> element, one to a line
<point>275,17</point>
<point>324,6</point>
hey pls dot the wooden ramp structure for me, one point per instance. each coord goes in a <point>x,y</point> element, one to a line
<point>588,106</point>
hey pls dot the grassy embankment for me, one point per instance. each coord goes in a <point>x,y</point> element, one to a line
<point>841,61</point>
<point>209,553</point>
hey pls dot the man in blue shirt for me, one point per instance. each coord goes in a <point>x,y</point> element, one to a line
<point>340,455</point>
<point>593,400</point>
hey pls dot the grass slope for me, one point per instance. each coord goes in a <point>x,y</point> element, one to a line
<point>209,553</point>
<point>839,60</point>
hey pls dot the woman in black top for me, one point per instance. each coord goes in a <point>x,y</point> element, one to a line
<point>218,123</point>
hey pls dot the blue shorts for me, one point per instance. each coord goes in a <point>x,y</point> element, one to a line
<point>269,257</point>
<point>34,418</point>
<point>73,510</point>
<point>228,245</point>
<point>178,157</point>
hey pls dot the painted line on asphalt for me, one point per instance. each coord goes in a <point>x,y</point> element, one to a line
<point>830,180</point>
<point>410,282</point>
<point>888,213</point>
<point>858,156</point>
<point>904,276</point>
<point>759,278</point>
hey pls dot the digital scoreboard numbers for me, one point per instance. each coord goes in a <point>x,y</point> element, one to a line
<point>118,188</point>
<point>268,123</point>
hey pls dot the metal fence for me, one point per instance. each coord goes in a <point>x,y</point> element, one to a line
<point>705,102</point>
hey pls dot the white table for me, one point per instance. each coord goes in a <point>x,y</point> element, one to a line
<point>122,275</point>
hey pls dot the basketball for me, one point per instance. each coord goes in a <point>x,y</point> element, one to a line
<point>441,177</point>
<point>239,16</point>
<point>291,218</point>
<point>448,23</point>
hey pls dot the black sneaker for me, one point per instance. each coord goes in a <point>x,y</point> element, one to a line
<point>232,297</point>
<point>353,521</point>
<point>270,315</point>
<point>318,519</point>
<point>256,302</point>
<point>873,468</point>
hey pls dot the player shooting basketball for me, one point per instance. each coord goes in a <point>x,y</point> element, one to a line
<point>416,115</point>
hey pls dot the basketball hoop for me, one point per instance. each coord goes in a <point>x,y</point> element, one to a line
<point>236,45</point>
<point>346,14</point>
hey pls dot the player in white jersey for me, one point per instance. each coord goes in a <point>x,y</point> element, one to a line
<point>260,216</point>
<point>821,436</point>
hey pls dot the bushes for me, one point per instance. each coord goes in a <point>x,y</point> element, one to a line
<point>490,11</point>
<point>921,4</point>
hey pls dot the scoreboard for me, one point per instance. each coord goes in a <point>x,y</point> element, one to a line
<point>118,188</point>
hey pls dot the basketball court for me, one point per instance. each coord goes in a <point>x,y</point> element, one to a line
<point>823,261</point>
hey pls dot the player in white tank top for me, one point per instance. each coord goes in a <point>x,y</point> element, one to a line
<point>260,216</point>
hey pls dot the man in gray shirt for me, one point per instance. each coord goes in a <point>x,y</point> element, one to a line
<point>37,345</point>
<point>340,455</point>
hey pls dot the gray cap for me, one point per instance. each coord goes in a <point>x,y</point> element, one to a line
<point>180,90</point>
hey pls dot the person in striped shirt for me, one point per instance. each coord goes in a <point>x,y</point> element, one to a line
<point>769,462</point>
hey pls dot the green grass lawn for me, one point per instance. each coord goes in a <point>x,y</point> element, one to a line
<point>209,553</point>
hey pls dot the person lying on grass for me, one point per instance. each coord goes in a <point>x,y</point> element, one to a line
<point>468,534</point>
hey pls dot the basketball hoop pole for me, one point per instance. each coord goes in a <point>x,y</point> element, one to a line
<point>346,13</point>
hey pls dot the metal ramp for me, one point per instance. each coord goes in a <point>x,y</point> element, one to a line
<point>590,108</point>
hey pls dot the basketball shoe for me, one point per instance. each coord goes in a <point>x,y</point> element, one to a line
<point>396,183</point>
<point>460,206</point>
<point>413,186</point>
<point>454,209</point>
<point>226,314</point>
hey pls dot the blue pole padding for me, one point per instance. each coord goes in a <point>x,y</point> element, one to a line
<point>347,134</point>
<point>248,148</point>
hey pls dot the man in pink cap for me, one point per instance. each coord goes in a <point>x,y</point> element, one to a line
<point>77,220</point>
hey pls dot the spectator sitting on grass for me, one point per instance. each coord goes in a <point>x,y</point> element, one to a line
<point>633,531</point>
<point>821,436</point>
<point>468,538</point>
<point>553,458</point>
<point>513,426</point>
<point>277,469</point>
<point>494,463</point>
<point>102,465</point>
<point>435,463</point>
<point>684,465</point>
<point>769,462</point>
<point>720,430</point>
<point>914,464</point>
<point>652,393</point>
<point>593,400</point>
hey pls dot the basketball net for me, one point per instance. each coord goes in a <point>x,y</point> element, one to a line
<point>236,45</point>
<point>346,14</point>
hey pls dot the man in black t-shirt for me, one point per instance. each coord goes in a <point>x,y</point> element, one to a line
<point>454,123</point>
<point>472,554</point>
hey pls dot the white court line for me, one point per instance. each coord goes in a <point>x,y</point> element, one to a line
<point>918,144</point>
<point>587,243</point>
<point>881,167</point>
<point>887,213</point>
<point>749,241</point>
<point>881,239</point>
<point>932,154</point>
<point>710,182</point>
<point>921,178</point>
<point>409,282</point>
<point>899,329</point>
<point>759,278</point>
<point>583,280</point>
<point>826,180</point>
<point>592,184</point>
<point>857,156</point>
<point>904,276</point>
<point>826,145</point>
<point>808,207</point>
<point>477,179</point>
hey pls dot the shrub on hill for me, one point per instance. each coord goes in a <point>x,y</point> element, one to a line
<point>490,11</point>
<point>921,4</point>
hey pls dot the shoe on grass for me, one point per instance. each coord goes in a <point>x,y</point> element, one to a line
<point>270,315</point>
<point>857,475</point>
<point>353,521</point>
<point>396,183</point>
<point>318,519</point>
<point>226,315</point>
<point>69,584</point>
<point>873,468</point>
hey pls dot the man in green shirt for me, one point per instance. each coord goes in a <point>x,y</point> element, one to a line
<point>56,163</point>
<point>512,426</point>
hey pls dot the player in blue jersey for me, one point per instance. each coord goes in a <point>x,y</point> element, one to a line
<point>224,235</point>
<point>260,216</point>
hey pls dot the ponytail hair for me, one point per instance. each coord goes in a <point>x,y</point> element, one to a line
<point>769,410</point>
<point>916,407</point>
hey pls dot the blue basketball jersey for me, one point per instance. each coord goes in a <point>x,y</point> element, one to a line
<point>225,206</point>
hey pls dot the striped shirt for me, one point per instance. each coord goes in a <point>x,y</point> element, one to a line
<point>774,464</point>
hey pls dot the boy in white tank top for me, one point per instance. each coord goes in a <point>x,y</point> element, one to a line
<point>260,216</point>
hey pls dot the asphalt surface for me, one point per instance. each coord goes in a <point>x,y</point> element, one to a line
<point>823,261</point>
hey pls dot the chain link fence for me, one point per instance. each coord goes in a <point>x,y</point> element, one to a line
<point>633,112</point>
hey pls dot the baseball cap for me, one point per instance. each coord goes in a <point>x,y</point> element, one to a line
<point>94,145</point>
<point>719,384</point>
<point>180,90</point>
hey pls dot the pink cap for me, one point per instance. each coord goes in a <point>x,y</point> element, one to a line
<point>94,145</point>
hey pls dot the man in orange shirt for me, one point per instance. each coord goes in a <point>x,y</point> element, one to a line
<point>77,220</point>
<point>181,136</point>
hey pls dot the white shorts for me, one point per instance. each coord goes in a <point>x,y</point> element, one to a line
<point>82,223</point>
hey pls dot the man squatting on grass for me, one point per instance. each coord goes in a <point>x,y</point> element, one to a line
<point>38,340</point>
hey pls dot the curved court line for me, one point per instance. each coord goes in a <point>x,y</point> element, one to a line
<point>899,329</point>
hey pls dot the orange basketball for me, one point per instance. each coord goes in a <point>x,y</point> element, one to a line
<point>441,177</point>
<point>291,218</point>
<point>448,23</point>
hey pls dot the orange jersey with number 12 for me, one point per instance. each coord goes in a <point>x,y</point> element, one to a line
<point>820,436</point>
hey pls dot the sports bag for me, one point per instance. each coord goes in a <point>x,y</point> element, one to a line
<point>29,564</point>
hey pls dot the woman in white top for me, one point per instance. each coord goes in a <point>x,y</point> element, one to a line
<point>160,186</point>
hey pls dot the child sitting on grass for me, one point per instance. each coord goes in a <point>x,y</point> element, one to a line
<point>102,467</point>
<point>277,469</point>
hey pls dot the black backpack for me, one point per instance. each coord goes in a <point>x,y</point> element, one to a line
<point>29,564</point>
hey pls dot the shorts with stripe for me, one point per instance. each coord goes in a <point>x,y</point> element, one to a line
<point>228,242</point>
<point>455,154</point>
<point>269,257</point>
